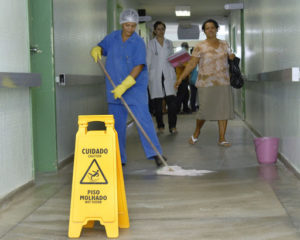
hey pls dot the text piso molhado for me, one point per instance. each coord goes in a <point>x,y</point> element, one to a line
<point>93,196</point>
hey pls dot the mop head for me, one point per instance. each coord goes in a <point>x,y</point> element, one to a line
<point>179,171</point>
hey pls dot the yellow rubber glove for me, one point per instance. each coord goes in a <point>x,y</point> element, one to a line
<point>96,53</point>
<point>128,82</point>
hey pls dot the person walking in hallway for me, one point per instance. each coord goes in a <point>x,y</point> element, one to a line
<point>183,88</point>
<point>162,77</point>
<point>213,83</point>
<point>126,64</point>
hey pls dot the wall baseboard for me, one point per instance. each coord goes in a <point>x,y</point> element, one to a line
<point>289,166</point>
<point>240,116</point>
<point>8,198</point>
<point>66,161</point>
<point>254,132</point>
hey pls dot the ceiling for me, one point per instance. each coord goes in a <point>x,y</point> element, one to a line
<point>164,10</point>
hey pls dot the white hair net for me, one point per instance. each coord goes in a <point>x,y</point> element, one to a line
<point>129,15</point>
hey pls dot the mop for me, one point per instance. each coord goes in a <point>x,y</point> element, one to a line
<point>166,169</point>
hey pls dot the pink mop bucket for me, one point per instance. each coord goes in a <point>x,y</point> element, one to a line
<point>266,149</point>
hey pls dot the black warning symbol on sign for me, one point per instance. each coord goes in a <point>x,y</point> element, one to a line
<point>94,175</point>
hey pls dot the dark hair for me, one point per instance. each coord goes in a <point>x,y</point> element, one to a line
<point>192,49</point>
<point>158,23</point>
<point>211,21</point>
<point>185,45</point>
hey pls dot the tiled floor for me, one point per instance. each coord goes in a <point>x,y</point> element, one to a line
<point>239,200</point>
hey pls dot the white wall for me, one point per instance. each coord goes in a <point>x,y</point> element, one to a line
<point>14,37</point>
<point>78,26</point>
<point>272,39</point>
<point>129,4</point>
<point>16,158</point>
<point>272,34</point>
<point>235,23</point>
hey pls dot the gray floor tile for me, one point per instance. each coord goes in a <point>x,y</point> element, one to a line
<point>239,200</point>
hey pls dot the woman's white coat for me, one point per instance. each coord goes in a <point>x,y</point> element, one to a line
<point>158,64</point>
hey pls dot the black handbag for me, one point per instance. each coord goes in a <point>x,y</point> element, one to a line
<point>236,77</point>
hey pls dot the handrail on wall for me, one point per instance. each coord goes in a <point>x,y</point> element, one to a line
<point>14,80</point>
<point>71,79</point>
<point>285,75</point>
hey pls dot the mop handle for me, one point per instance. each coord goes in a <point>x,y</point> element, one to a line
<point>132,115</point>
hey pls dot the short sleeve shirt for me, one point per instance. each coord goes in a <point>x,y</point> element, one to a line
<point>213,64</point>
<point>122,57</point>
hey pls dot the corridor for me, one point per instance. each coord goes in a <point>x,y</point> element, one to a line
<point>239,200</point>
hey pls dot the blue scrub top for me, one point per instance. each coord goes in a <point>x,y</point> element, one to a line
<point>122,57</point>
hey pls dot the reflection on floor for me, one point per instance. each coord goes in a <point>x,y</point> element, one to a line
<point>239,200</point>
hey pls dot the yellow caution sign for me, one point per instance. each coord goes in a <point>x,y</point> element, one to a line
<point>98,192</point>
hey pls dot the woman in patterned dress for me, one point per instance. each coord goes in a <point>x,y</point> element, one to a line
<point>213,83</point>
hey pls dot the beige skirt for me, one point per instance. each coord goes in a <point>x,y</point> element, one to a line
<point>215,103</point>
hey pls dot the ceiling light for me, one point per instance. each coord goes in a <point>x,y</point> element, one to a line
<point>183,11</point>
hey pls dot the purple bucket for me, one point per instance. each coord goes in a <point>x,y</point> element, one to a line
<point>266,149</point>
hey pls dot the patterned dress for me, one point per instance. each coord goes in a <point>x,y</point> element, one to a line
<point>213,82</point>
<point>213,64</point>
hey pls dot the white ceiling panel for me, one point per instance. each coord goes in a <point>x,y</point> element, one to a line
<point>200,9</point>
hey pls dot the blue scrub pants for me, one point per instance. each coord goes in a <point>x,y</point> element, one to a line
<point>141,112</point>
